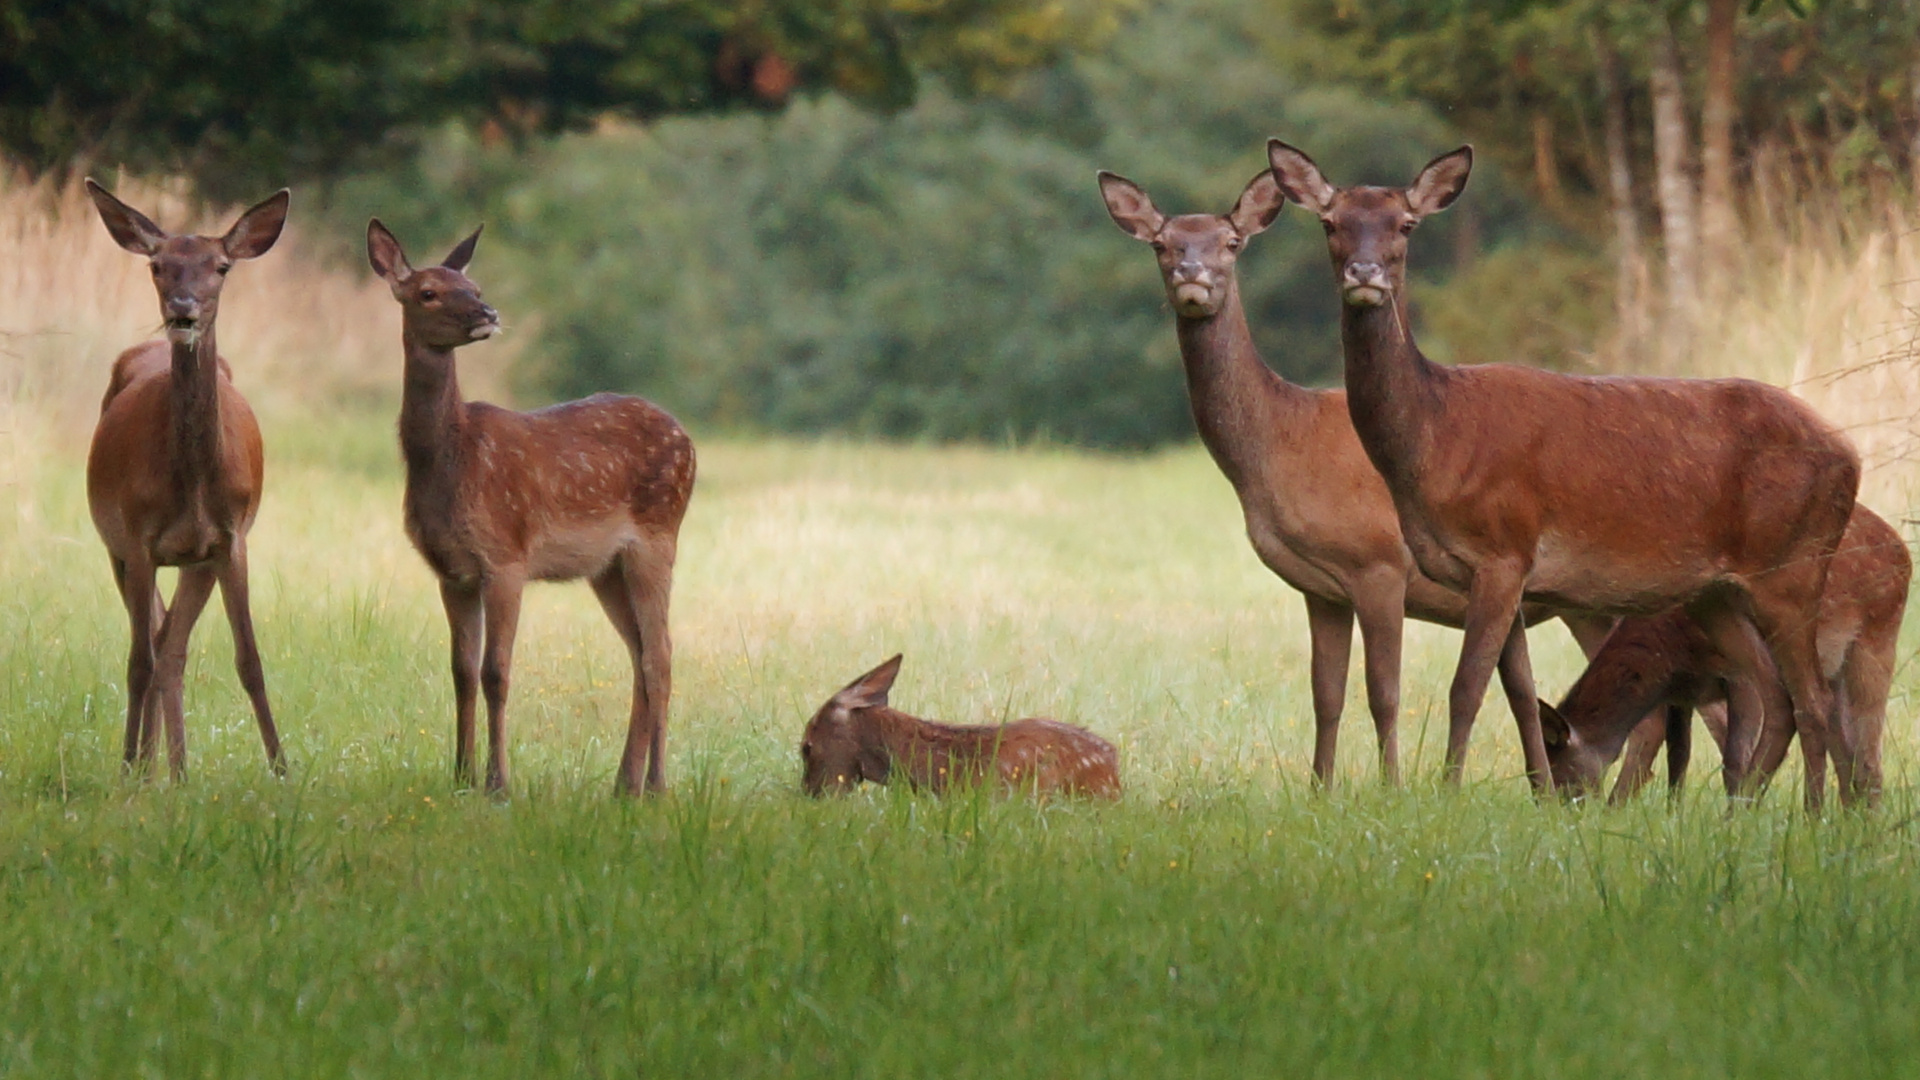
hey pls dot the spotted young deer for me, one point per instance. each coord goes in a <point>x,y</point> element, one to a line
<point>855,736</point>
<point>1317,512</point>
<point>594,488</point>
<point>1605,495</point>
<point>174,473</point>
<point>1668,660</point>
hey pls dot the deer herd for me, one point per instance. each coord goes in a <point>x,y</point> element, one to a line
<point>1698,537</point>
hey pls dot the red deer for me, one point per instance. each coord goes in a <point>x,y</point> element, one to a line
<point>1668,660</point>
<point>174,473</point>
<point>855,736</point>
<point>1317,512</point>
<point>594,488</point>
<point>1608,495</point>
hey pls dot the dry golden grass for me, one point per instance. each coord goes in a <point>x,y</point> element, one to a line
<point>1832,311</point>
<point>300,331</point>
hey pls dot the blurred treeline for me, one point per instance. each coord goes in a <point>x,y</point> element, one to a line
<point>879,216</point>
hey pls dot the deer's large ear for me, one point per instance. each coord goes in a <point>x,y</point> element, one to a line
<point>1441,182</point>
<point>130,228</point>
<point>1299,178</point>
<point>1554,730</point>
<point>1258,205</point>
<point>462,252</point>
<point>254,234</point>
<point>384,254</point>
<point>1130,207</point>
<point>870,689</point>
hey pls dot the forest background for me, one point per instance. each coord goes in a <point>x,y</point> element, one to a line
<point>878,217</point>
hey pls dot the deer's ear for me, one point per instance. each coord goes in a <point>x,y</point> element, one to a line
<point>462,252</point>
<point>1299,178</point>
<point>870,689</point>
<point>1258,205</point>
<point>1554,730</point>
<point>254,234</point>
<point>1130,207</point>
<point>1441,182</point>
<point>130,228</point>
<point>384,254</point>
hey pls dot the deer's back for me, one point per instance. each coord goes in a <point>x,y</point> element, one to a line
<point>132,491</point>
<point>1051,756</point>
<point>557,490</point>
<point>1627,492</point>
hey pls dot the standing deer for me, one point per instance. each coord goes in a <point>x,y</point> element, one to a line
<point>1317,512</point>
<point>594,488</point>
<point>1606,495</point>
<point>174,473</point>
<point>1668,660</point>
<point>855,736</point>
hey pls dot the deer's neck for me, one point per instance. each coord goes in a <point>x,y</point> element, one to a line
<point>1393,392</point>
<point>195,436</point>
<point>1243,410</point>
<point>431,410</point>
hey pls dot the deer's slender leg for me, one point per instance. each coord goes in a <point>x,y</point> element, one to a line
<point>648,571</point>
<point>1748,689</point>
<point>246,650</point>
<point>136,577</point>
<point>1493,607</point>
<point>1516,680</point>
<point>1381,607</point>
<point>501,597</point>
<point>170,660</point>
<point>1331,628</point>
<point>1636,762</point>
<point>1679,725</point>
<point>462,602</point>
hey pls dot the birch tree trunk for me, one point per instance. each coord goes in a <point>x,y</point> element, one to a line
<point>1719,225</point>
<point>1630,263</point>
<point>1673,180</point>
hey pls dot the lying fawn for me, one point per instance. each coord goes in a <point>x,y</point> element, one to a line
<point>495,498</point>
<point>175,472</point>
<point>1668,659</point>
<point>856,737</point>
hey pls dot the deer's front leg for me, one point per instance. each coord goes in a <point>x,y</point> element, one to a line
<point>462,601</point>
<point>501,598</point>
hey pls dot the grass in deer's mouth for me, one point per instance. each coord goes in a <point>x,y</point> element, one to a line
<point>364,917</point>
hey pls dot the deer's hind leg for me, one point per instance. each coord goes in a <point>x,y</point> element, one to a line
<point>170,660</point>
<point>635,591</point>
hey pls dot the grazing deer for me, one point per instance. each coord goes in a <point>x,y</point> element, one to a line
<point>856,737</point>
<point>1317,512</point>
<point>594,488</point>
<point>174,473</point>
<point>1668,660</point>
<point>1605,495</point>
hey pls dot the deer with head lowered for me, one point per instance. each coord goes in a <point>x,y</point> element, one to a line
<point>174,473</point>
<point>1667,660</point>
<point>1317,512</point>
<point>594,488</point>
<point>856,736</point>
<point>1608,495</point>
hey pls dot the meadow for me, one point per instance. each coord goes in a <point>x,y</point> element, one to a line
<point>364,917</point>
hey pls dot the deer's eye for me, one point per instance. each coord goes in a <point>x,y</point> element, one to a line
<point>154,268</point>
<point>1406,227</point>
<point>222,269</point>
<point>429,295</point>
<point>1159,247</point>
<point>1234,243</point>
<point>1327,225</point>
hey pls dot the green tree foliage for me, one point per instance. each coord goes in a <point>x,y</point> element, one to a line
<point>946,272</point>
<point>239,93</point>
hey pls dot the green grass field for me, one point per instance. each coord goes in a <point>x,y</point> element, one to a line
<point>364,918</point>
